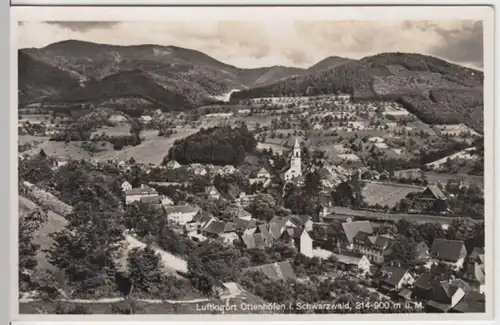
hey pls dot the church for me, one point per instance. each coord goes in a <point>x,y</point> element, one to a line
<point>294,169</point>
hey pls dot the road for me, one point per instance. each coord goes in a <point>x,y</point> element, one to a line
<point>342,213</point>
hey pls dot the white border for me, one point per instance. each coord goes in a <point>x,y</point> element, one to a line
<point>263,13</point>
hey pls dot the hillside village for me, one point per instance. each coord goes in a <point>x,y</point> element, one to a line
<point>358,206</point>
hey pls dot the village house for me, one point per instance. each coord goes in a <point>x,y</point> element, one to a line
<point>449,252</point>
<point>166,201</point>
<point>392,278</point>
<point>243,214</point>
<point>278,225</point>
<point>244,227</point>
<point>263,173</point>
<point>60,161</point>
<point>431,198</point>
<point>212,192</point>
<point>475,272</point>
<point>244,200</point>
<point>353,260</point>
<point>445,295</point>
<point>299,238</point>
<point>275,271</point>
<point>226,170</point>
<point>172,164</point>
<point>294,169</point>
<point>181,214</point>
<point>422,254</point>
<point>303,221</point>
<point>136,194</point>
<point>198,169</point>
<point>260,238</point>
<point>193,228</point>
<point>126,186</point>
<point>352,228</point>
<point>472,302</point>
<point>374,247</point>
<point>220,230</point>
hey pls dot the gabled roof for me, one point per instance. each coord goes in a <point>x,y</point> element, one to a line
<point>256,240</point>
<point>351,229</point>
<point>349,257</point>
<point>276,271</point>
<point>391,275</point>
<point>300,219</point>
<point>215,228</point>
<point>240,225</point>
<point>447,250</point>
<point>436,191</point>
<point>476,252</point>
<point>151,199</point>
<point>472,302</point>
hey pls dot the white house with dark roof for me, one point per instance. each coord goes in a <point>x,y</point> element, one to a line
<point>394,278</point>
<point>182,214</point>
<point>354,260</point>
<point>449,252</point>
<point>126,186</point>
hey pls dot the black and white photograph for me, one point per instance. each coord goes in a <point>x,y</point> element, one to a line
<point>253,166</point>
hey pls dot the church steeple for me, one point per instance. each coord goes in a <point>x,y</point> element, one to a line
<point>296,161</point>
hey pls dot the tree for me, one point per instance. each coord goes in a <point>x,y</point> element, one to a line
<point>403,251</point>
<point>28,224</point>
<point>85,251</point>
<point>430,231</point>
<point>145,270</point>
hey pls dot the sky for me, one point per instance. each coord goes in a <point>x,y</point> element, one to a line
<point>250,44</point>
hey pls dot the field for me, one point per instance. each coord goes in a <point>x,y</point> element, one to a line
<point>152,149</point>
<point>387,193</point>
<point>24,139</point>
<point>62,149</point>
<point>275,147</point>
<point>121,129</point>
<point>464,154</point>
<point>41,237</point>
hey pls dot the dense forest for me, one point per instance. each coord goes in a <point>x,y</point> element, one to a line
<point>217,145</point>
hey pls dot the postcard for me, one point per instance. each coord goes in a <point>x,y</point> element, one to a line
<point>301,163</point>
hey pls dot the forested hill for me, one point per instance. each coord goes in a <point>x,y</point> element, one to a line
<point>438,92</point>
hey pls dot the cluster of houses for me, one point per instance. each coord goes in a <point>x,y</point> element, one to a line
<point>359,247</point>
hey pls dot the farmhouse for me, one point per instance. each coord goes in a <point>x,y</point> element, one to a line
<point>431,198</point>
<point>199,221</point>
<point>449,252</point>
<point>182,214</point>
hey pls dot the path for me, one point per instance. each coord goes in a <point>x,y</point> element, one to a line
<point>233,288</point>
